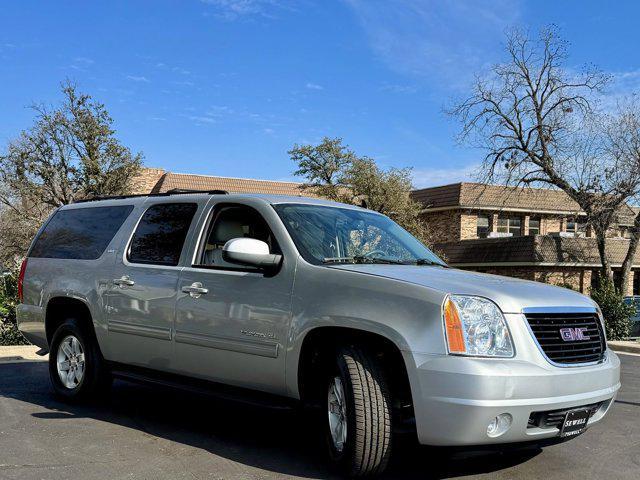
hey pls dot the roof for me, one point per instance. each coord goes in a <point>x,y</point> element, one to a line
<point>171,181</point>
<point>479,196</point>
<point>532,250</point>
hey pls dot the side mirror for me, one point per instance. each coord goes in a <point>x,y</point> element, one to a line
<point>250,252</point>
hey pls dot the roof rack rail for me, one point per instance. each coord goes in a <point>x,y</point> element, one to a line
<point>178,191</point>
<point>173,191</point>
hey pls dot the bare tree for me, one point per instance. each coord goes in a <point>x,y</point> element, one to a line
<point>624,143</point>
<point>539,123</point>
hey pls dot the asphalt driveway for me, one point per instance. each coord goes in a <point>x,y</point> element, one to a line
<point>148,433</point>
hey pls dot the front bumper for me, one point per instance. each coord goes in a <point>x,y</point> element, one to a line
<point>455,398</point>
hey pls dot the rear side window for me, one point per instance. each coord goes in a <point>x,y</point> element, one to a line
<point>80,233</point>
<point>161,233</point>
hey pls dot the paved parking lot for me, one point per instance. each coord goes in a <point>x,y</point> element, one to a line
<point>147,433</point>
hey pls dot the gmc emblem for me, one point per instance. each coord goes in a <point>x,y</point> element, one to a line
<point>574,334</point>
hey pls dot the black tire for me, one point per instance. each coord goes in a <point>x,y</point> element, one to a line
<point>367,448</point>
<point>95,380</point>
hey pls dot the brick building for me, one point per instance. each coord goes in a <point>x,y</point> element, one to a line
<point>534,234</point>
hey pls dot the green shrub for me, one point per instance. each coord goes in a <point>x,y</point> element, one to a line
<point>616,313</point>
<point>9,333</point>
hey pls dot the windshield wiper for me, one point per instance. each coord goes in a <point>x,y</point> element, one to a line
<point>362,259</point>
<point>426,261</point>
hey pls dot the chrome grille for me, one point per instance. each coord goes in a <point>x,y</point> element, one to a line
<point>547,327</point>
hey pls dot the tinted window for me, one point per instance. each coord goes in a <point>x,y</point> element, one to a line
<point>161,232</point>
<point>80,233</point>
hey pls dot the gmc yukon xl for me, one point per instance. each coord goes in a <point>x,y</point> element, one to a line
<point>328,305</point>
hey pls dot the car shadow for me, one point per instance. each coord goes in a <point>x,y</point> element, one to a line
<point>280,441</point>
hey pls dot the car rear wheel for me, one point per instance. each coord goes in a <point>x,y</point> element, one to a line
<point>358,413</point>
<point>76,367</point>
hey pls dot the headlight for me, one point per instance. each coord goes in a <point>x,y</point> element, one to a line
<point>475,326</point>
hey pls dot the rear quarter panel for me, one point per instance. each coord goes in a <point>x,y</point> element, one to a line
<point>47,278</point>
<point>84,280</point>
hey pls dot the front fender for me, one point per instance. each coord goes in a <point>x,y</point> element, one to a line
<point>406,314</point>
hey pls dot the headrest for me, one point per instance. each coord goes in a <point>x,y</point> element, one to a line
<point>226,230</point>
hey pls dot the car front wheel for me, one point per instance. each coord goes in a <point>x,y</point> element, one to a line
<point>358,413</point>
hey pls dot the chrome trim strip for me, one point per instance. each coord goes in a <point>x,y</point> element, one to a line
<point>560,310</point>
<point>251,347</point>
<point>140,330</point>
<point>557,310</point>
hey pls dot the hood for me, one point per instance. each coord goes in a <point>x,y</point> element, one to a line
<point>510,294</point>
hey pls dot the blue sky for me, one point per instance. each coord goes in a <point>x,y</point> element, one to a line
<point>226,87</point>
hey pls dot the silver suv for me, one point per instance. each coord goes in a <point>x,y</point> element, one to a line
<point>328,305</point>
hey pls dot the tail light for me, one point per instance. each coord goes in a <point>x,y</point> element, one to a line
<point>23,268</point>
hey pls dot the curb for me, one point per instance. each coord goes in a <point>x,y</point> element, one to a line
<point>20,354</point>
<point>625,347</point>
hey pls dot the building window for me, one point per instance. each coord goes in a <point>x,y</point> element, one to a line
<point>617,280</point>
<point>595,279</point>
<point>482,229</point>
<point>534,226</point>
<point>510,225</point>
<point>577,226</point>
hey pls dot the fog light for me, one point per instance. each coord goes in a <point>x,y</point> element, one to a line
<point>499,425</point>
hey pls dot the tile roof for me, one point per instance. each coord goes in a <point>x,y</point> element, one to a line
<point>534,249</point>
<point>475,195</point>
<point>500,197</point>
<point>170,181</point>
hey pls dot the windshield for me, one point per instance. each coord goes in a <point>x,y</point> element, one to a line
<point>326,235</point>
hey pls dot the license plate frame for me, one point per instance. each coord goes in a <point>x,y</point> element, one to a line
<point>575,422</point>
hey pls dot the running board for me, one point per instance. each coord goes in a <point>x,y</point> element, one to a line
<point>203,387</point>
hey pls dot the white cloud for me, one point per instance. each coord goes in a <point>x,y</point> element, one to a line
<point>433,177</point>
<point>83,61</point>
<point>200,119</point>
<point>314,86</point>
<point>135,78</point>
<point>181,71</point>
<point>395,88</point>
<point>623,85</point>
<point>233,9</point>
<point>446,41</point>
<point>184,83</point>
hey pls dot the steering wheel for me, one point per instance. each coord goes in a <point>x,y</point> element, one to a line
<point>372,252</point>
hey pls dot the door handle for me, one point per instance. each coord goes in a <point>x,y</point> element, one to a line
<point>195,290</point>
<point>124,281</point>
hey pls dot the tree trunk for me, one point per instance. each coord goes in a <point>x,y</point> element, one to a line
<point>631,253</point>
<point>601,239</point>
